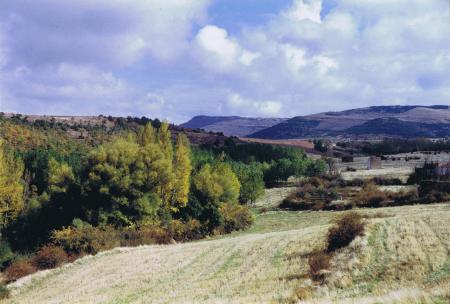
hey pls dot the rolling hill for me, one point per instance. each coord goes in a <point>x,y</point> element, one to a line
<point>378,121</point>
<point>231,125</point>
<point>401,121</point>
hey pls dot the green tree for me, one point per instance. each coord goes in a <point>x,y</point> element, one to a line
<point>125,181</point>
<point>251,178</point>
<point>60,176</point>
<point>11,186</point>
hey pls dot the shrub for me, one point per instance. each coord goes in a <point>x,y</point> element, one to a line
<point>6,254</point>
<point>235,216</point>
<point>154,234</point>
<point>86,240</point>
<point>318,262</point>
<point>345,231</point>
<point>19,269</point>
<point>145,235</point>
<point>301,294</point>
<point>370,196</point>
<point>50,256</point>
<point>405,197</point>
<point>4,292</point>
<point>191,230</point>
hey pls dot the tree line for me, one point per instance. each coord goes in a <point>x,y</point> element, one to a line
<point>138,185</point>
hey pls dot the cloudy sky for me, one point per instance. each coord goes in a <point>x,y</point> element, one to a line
<point>177,58</point>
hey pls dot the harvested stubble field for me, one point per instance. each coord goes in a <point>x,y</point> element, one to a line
<point>403,258</point>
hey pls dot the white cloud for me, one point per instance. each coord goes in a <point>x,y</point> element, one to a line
<point>247,57</point>
<point>304,10</point>
<point>244,106</point>
<point>295,57</point>
<point>148,58</point>
<point>65,88</point>
<point>325,64</point>
<point>220,52</point>
<point>102,31</point>
<point>216,42</point>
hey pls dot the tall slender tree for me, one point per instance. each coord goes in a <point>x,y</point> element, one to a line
<point>11,186</point>
<point>182,170</point>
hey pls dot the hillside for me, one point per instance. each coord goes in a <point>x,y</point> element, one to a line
<point>393,121</point>
<point>95,128</point>
<point>390,264</point>
<point>231,125</point>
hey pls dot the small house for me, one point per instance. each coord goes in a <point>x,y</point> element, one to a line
<point>374,163</point>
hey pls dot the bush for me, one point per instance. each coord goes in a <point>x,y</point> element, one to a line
<point>370,196</point>
<point>4,292</point>
<point>191,230</point>
<point>235,216</point>
<point>318,262</point>
<point>50,257</point>
<point>145,235</point>
<point>345,231</point>
<point>6,254</point>
<point>86,240</point>
<point>19,269</point>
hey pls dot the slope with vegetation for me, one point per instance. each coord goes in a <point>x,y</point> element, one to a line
<point>62,197</point>
<point>269,263</point>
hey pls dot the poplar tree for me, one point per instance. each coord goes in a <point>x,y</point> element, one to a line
<point>147,135</point>
<point>11,186</point>
<point>182,171</point>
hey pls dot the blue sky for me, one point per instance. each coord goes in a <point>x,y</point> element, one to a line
<point>174,59</point>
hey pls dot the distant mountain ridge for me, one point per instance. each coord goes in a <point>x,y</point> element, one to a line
<point>393,121</point>
<point>231,125</point>
<point>376,121</point>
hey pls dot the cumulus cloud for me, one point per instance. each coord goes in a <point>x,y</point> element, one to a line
<point>220,52</point>
<point>170,58</point>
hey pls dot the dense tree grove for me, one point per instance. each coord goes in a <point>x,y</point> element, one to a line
<point>398,145</point>
<point>139,185</point>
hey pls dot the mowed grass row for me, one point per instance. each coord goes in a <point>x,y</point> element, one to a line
<point>406,250</point>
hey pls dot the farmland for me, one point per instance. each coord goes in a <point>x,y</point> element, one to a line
<point>265,263</point>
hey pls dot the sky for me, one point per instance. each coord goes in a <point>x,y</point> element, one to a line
<point>174,59</point>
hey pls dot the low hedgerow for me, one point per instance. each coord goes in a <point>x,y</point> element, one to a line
<point>19,269</point>
<point>346,229</point>
<point>50,257</point>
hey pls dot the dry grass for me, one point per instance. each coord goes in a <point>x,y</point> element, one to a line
<point>401,173</point>
<point>403,257</point>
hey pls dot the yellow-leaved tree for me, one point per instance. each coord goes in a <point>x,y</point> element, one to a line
<point>167,180</point>
<point>147,135</point>
<point>218,183</point>
<point>11,186</point>
<point>60,175</point>
<point>182,169</point>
